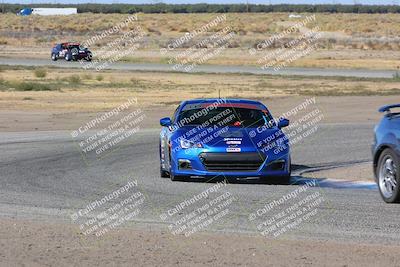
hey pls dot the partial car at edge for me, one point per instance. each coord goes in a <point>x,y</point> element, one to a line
<point>386,154</point>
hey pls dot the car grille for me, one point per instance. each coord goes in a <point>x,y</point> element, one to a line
<point>225,162</point>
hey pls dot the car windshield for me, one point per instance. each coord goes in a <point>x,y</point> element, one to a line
<point>224,116</point>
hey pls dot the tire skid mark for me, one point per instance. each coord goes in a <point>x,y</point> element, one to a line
<point>298,178</point>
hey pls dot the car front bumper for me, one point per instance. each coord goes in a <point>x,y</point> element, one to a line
<point>246,164</point>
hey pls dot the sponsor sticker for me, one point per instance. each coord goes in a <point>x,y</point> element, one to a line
<point>233,149</point>
<point>233,142</point>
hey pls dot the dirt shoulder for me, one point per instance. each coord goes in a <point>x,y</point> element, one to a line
<point>55,244</point>
<point>64,100</point>
<point>336,109</point>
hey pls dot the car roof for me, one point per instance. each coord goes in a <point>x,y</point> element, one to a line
<point>71,43</point>
<point>224,100</point>
<point>245,103</point>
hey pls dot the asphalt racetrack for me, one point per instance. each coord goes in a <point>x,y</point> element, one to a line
<point>45,177</point>
<point>361,73</point>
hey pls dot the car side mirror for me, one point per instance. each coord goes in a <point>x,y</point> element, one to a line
<point>166,122</point>
<point>283,123</point>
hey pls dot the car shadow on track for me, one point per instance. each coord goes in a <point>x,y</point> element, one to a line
<point>332,183</point>
<point>255,180</point>
<point>298,180</point>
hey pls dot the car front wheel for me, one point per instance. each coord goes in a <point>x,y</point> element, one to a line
<point>163,174</point>
<point>68,57</point>
<point>388,176</point>
<point>276,180</point>
<point>280,180</point>
<point>177,177</point>
<point>53,57</point>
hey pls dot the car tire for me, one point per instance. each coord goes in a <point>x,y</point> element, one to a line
<point>388,176</point>
<point>277,180</point>
<point>177,177</point>
<point>68,57</point>
<point>53,57</point>
<point>285,180</point>
<point>163,174</point>
<point>280,180</point>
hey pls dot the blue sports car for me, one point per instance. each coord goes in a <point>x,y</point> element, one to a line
<point>226,138</point>
<point>386,151</point>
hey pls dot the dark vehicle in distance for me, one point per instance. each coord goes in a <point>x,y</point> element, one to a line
<point>70,51</point>
<point>386,153</point>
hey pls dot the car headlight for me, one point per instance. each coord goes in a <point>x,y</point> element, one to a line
<point>189,144</point>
